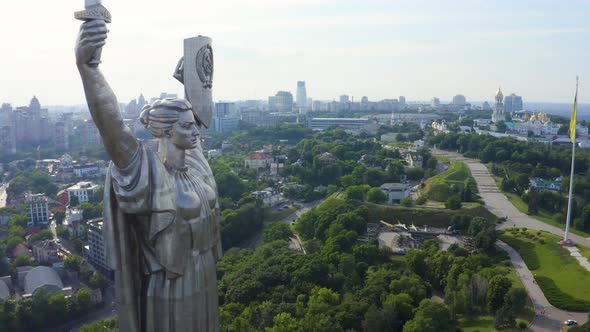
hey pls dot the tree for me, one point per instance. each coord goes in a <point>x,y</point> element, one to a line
<point>23,261</point>
<point>18,220</point>
<point>74,200</point>
<point>430,316</point>
<point>376,195</point>
<point>407,202</point>
<point>355,193</point>
<point>73,263</point>
<point>59,217</point>
<point>98,281</point>
<point>498,286</point>
<point>106,325</point>
<point>276,231</point>
<point>84,299</point>
<point>453,202</point>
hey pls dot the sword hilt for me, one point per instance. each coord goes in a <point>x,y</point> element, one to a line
<point>97,12</point>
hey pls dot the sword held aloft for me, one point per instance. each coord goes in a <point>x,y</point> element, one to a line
<point>94,11</point>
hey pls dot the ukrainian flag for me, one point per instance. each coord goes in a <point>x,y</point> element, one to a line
<point>573,119</point>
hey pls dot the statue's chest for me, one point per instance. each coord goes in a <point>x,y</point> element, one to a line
<point>194,198</point>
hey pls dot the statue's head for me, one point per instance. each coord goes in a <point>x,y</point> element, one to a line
<point>172,119</point>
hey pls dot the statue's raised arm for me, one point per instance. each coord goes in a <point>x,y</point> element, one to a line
<point>119,141</point>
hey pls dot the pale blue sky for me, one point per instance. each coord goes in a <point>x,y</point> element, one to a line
<point>381,49</point>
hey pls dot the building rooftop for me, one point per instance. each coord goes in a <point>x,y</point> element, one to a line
<point>393,186</point>
<point>83,185</point>
<point>42,277</point>
<point>259,156</point>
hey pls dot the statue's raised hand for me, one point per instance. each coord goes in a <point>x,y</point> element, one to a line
<point>91,39</point>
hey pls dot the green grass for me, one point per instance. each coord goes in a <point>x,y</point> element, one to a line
<point>564,282</point>
<point>585,251</point>
<point>436,187</point>
<point>483,324</point>
<point>281,214</point>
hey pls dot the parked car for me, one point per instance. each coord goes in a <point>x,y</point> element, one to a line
<point>570,322</point>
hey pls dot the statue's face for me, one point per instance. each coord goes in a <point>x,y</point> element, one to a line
<point>185,132</point>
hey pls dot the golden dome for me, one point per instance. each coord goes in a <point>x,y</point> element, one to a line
<point>533,118</point>
<point>499,92</point>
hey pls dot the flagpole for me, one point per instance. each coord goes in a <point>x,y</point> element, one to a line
<point>569,201</point>
<point>570,196</point>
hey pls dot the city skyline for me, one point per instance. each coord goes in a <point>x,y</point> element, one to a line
<point>380,49</point>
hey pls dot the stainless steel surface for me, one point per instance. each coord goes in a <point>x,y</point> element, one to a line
<point>161,209</point>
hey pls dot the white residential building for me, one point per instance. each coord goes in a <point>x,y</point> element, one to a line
<point>258,160</point>
<point>96,248</point>
<point>395,191</point>
<point>88,170</point>
<point>83,190</point>
<point>38,209</point>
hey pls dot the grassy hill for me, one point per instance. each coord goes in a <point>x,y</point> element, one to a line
<point>437,187</point>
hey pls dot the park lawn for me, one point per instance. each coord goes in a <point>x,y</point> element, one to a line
<point>457,174</point>
<point>564,282</point>
<point>483,324</point>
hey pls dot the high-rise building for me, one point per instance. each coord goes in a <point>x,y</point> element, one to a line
<point>402,101</point>
<point>281,102</point>
<point>498,114</point>
<point>7,140</point>
<point>88,134</point>
<point>61,137</point>
<point>38,209</point>
<point>32,123</point>
<point>225,117</point>
<point>435,102</point>
<point>513,103</point>
<point>96,247</point>
<point>344,99</point>
<point>459,100</point>
<point>301,100</point>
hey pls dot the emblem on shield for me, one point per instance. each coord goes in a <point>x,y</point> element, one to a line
<point>205,66</point>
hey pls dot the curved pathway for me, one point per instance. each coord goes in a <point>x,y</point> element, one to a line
<point>547,317</point>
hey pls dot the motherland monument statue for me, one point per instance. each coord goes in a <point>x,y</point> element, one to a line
<point>161,208</point>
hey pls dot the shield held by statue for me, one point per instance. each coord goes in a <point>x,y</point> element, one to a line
<point>195,71</point>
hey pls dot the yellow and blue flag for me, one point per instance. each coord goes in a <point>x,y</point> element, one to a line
<point>573,119</point>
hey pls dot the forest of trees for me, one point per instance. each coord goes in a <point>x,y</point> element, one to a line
<point>343,284</point>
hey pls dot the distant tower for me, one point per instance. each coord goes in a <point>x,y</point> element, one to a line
<point>301,100</point>
<point>402,101</point>
<point>498,114</point>
<point>35,105</point>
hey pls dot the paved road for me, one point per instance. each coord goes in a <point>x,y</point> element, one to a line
<point>547,317</point>
<point>498,203</point>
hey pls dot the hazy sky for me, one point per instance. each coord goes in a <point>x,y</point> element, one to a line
<point>381,49</point>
